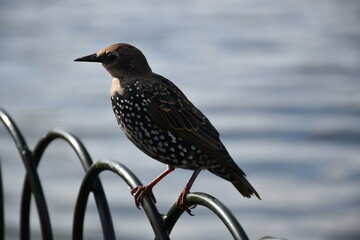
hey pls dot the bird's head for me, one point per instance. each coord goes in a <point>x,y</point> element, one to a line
<point>119,60</point>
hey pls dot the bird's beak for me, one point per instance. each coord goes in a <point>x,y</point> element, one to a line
<point>89,58</point>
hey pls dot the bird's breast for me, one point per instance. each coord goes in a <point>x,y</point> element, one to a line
<point>131,111</point>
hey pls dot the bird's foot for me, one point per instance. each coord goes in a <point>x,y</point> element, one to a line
<point>140,191</point>
<point>181,202</point>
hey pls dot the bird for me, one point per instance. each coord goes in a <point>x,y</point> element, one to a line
<point>157,117</point>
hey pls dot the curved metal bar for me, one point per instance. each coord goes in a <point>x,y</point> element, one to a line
<point>86,161</point>
<point>162,225</point>
<point>212,204</point>
<point>131,180</point>
<point>71,139</point>
<point>33,179</point>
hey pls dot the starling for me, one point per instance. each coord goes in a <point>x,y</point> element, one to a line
<point>160,120</point>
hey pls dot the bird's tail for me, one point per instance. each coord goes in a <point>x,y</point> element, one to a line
<point>237,177</point>
<point>244,187</point>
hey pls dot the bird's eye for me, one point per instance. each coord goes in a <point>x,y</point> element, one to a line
<point>112,57</point>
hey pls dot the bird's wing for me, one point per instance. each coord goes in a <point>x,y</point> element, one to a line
<point>172,111</point>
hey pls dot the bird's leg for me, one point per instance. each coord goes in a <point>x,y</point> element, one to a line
<point>181,202</point>
<point>139,191</point>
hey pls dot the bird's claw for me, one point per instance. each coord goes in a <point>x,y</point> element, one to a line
<point>139,192</point>
<point>188,210</point>
<point>181,202</point>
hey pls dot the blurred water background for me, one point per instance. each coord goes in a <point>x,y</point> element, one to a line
<point>279,79</point>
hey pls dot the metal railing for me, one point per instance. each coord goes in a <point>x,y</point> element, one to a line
<point>162,224</point>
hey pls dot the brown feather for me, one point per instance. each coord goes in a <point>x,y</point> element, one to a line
<point>171,110</point>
